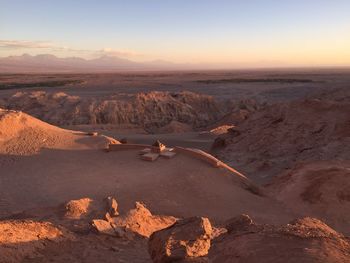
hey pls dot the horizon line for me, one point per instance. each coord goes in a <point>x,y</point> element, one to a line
<point>187,65</point>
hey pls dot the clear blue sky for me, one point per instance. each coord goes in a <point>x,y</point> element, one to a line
<point>246,32</point>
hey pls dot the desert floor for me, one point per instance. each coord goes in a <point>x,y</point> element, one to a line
<point>287,131</point>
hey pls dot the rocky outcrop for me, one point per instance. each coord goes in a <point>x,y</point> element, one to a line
<point>138,221</point>
<point>20,239</point>
<point>303,240</point>
<point>112,206</point>
<point>317,189</point>
<point>104,227</point>
<point>42,235</point>
<point>28,238</point>
<point>141,221</point>
<point>188,238</point>
<point>279,136</point>
<point>156,112</point>
<point>75,209</point>
<point>148,110</point>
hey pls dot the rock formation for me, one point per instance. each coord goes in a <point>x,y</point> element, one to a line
<point>148,110</point>
<point>317,189</point>
<point>77,208</point>
<point>188,238</point>
<point>303,240</point>
<point>279,136</point>
<point>141,221</point>
<point>22,134</point>
<point>20,239</point>
<point>112,206</point>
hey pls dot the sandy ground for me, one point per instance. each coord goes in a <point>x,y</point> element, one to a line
<point>182,186</point>
<point>42,166</point>
<point>75,165</point>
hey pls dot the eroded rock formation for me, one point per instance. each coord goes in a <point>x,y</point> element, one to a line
<point>303,240</point>
<point>188,238</point>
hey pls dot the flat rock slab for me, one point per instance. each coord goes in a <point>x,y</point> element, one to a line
<point>168,155</point>
<point>151,157</point>
<point>103,227</point>
<point>144,151</point>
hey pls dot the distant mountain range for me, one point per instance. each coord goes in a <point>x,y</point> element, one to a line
<point>50,63</point>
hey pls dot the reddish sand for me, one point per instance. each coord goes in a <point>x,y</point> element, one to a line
<point>43,166</point>
<point>75,165</point>
<point>318,189</point>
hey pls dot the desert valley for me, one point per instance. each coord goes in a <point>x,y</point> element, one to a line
<point>256,164</point>
<point>174,131</point>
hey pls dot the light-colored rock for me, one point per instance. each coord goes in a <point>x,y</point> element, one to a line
<point>112,206</point>
<point>188,238</point>
<point>218,231</point>
<point>77,208</point>
<point>151,157</point>
<point>144,151</point>
<point>193,109</point>
<point>141,221</point>
<point>167,155</point>
<point>103,227</point>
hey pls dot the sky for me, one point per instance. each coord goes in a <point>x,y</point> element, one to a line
<point>238,33</point>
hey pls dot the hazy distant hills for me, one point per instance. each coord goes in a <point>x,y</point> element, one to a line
<point>51,63</point>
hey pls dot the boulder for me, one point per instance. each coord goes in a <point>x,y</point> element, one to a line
<point>103,227</point>
<point>187,239</point>
<point>141,221</point>
<point>150,157</point>
<point>75,209</point>
<point>112,206</point>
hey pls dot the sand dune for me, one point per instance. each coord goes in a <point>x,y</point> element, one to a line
<point>21,134</point>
